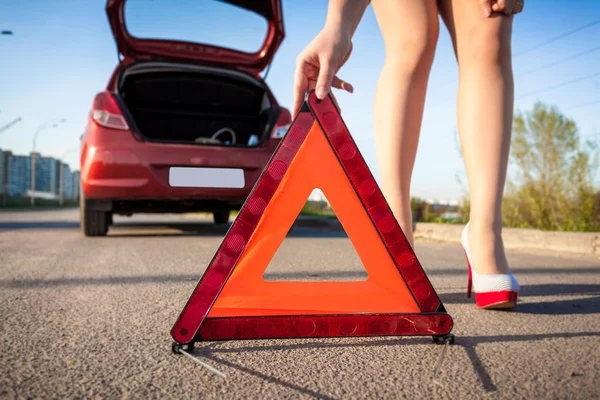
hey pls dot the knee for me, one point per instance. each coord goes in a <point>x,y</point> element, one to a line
<point>487,45</point>
<point>413,54</point>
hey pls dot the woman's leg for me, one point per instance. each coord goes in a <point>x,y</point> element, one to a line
<point>485,111</point>
<point>410,30</point>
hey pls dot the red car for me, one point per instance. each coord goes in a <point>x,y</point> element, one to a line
<point>181,126</point>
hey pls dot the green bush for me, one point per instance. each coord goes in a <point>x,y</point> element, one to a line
<point>553,188</point>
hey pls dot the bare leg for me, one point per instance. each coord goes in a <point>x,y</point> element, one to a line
<point>485,111</point>
<point>410,30</point>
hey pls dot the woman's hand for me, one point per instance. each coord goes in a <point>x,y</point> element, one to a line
<point>507,7</point>
<point>319,62</point>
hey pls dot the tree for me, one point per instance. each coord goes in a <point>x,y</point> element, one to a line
<point>554,188</point>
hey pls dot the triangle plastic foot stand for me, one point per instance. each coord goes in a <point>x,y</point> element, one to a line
<point>233,301</point>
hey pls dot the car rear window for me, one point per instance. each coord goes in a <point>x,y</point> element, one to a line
<point>199,21</point>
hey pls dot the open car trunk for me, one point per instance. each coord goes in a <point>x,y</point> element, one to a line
<point>197,105</point>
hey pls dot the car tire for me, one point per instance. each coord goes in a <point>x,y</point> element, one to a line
<point>93,222</point>
<point>221,217</point>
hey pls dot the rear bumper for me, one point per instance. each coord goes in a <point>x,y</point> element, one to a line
<point>129,207</point>
<point>140,171</point>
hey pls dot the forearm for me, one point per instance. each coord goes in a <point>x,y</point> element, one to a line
<point>345,14</point>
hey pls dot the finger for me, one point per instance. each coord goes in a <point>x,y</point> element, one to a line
<point>340,84</point>
<point>299,93</point>
<point>311,85</point>
<point>300,87</point>
<point>325,78</point>
<point>487,7</point>
<point>499,5</point>
<point>517,6</point>
<point>509,7</point>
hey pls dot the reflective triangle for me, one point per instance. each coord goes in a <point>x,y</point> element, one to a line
<point>233,301</point>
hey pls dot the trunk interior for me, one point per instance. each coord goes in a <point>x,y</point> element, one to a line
<point>180,104</point>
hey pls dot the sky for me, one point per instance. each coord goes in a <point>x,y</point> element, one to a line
<point>62,53</point>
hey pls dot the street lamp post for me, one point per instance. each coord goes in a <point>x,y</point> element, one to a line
<point>46,125</point>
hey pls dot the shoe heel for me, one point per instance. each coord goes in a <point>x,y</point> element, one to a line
<point>497,291</point>
<point>470,278</point>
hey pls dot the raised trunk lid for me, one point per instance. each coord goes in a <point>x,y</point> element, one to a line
<point>197,52</point>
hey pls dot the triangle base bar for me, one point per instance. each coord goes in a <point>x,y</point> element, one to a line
<point>315,326</point>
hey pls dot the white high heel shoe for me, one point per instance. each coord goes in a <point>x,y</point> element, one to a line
<point>491,290</point>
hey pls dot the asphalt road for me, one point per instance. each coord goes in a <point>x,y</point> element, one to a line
<point>90,318</point>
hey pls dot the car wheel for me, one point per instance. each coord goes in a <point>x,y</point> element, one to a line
<point>93,222</point>
<point>221,217</point>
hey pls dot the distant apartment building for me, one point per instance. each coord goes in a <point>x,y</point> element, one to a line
<point>56,188</point>
<point>15,176</point>
<point>67,182</point>
<point>70,180</point>
<point>76,178</point>
<point>46,174</point>
<point>443,204</point>
<point>19,175</point>
<point>4,181</point>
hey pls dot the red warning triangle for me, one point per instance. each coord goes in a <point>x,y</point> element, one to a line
<point>233,301</point>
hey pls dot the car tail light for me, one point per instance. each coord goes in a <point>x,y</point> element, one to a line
<point>106,112</point>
